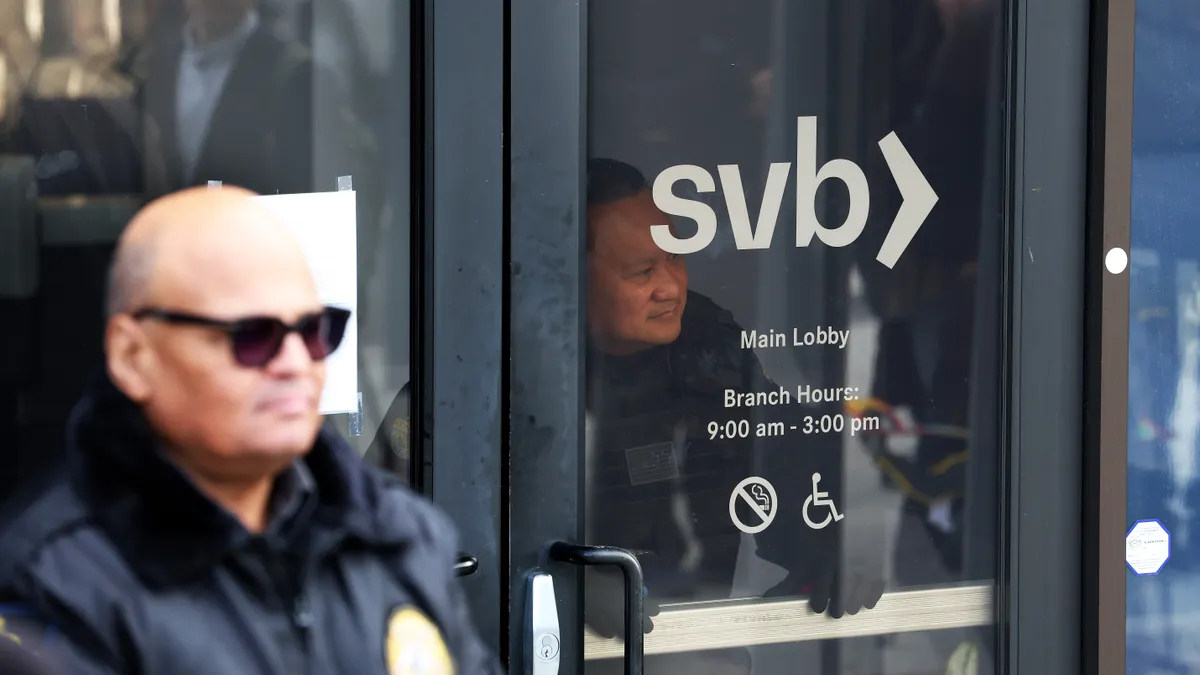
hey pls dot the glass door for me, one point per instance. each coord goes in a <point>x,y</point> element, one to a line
<point>785,266</point>
<point>771,337</point>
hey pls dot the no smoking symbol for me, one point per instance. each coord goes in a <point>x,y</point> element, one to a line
<point>758,494</point>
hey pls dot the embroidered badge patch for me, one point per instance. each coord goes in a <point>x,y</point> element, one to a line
<point>19,624</point>
<point>414,645</point>
<point>6,633</point>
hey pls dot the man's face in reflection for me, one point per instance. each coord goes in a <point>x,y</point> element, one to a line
<point>636,291</point>
<point>213,19</point>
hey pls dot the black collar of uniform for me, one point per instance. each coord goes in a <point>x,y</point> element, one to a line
<point>167,529</point>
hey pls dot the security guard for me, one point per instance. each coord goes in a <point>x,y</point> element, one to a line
<point>202,523</point>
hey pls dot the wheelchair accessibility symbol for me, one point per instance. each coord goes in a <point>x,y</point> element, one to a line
<point>818,498</point>
<point>758,494</point>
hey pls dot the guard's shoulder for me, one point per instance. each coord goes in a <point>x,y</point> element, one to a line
<point>44,513</point>
<point>708,357</point>
<point>51,548</point>
<point>706,321</point>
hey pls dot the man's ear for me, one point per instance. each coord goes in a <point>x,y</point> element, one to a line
<point>128,356</point>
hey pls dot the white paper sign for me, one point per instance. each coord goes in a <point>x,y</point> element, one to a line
<point>1147,547</point>
<point>326,225</point>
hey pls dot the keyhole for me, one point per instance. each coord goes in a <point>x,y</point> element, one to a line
<point>548,647</point>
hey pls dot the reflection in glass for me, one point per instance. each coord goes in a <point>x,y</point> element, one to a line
<point>1164,333</point>
<point>777,406</point>
<point>105,104</point>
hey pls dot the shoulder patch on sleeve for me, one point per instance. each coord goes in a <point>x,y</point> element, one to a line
<point>414,645</point>
<point>20,623</point>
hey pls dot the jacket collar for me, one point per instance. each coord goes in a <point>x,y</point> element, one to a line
<point>168,530</point>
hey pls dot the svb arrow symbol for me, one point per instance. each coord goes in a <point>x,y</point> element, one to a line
<point>917,195</point>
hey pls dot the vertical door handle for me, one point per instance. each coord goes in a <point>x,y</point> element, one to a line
<point>635,583</point>
<point>543,642</point>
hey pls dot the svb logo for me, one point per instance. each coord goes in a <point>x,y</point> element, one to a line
<point>918,200</point>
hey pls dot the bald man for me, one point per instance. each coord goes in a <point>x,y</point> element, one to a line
<point>203,523</point>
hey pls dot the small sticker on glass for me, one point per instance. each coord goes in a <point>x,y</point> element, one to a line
<point>1147,547</point>
<point>652,463</point>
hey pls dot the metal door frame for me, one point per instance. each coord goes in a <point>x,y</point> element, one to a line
<point>1107,347</point>
<point>459,278</point>
<point>1048,122</point>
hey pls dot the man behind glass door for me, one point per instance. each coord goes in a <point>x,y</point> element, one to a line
<point>203,523</point>
<point>660,360</point>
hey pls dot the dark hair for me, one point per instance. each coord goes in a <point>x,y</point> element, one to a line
<point>610,180</point>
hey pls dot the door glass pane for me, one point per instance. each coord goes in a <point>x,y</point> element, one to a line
<point>1164,342</point>
<point>105,104</point>
<point>793,306</point>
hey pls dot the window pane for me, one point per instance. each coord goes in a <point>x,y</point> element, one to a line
<point>1164,339</point>
<point>106,104</point>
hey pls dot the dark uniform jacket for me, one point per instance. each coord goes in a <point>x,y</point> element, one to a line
<point>128,569</point>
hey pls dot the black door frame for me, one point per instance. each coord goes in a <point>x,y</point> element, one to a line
<point>500,198</point>
<point>1040,594</point>
<point>459,417</point>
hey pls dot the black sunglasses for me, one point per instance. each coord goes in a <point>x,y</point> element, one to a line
<point>257,340</point>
